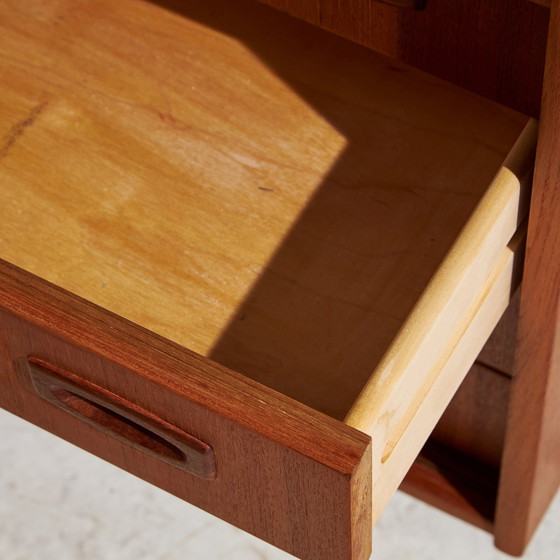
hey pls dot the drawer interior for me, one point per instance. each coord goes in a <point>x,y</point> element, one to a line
<point>317,217</point>
<point>256,190</point>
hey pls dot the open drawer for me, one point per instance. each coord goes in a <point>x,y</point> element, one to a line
<point>243,259</point>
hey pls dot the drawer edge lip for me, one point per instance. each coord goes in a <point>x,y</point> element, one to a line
<point>501,208</point>
<point>244,401</point>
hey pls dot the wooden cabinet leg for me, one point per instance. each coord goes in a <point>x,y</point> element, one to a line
<point>531,460</point>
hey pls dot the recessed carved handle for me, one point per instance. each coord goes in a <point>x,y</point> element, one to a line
<point>122,420</point>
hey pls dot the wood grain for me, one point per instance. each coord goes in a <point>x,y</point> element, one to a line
<point>496,49</point>
<point>286,473</point>
<point>531,469</point>
<point>474,423</point>
<point>393,455</point>
<point>282,218</point>
<point>412,4</point>
<point>122,420</point>
<point>499,351</point>
<point>455,483</point>
<point>450,293</point>
<point>277,213</point>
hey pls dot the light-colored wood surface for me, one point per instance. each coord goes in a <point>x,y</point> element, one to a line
<point>256,190</point>
<point>447,372</point>
<point>531,463</point>
<point>423,346</point>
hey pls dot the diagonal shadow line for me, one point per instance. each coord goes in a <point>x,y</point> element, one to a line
<point>335,292</point>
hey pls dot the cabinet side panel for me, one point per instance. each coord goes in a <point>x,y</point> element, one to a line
<point>475,420</point>
<point>499,351</point>
<point>531,461</point>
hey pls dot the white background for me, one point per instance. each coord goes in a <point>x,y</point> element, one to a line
<point>58,502</point>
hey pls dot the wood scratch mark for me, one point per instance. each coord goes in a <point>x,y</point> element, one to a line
<point>13,135</point>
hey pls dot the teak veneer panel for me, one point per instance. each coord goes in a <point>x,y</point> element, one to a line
<point>474,423</point>
<point>243,184</point>
<point>494,47</point>
<point>499,351</point>
<point>290,475</point>
<point>531,468</point>
<point>454,482</point>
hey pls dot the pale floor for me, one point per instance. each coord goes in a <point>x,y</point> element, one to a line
<point>60,503</point>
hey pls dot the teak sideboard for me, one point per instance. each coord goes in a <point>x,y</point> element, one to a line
<point>280,268</point>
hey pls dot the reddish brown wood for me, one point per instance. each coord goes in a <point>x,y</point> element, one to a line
<point>475,420</point>
<point>122,420</point>
<point>454,483</point>
<point>499,351</point>
<point>496,49</point>
<point>412,4</point>
<point>531,467</point>
<point>286,473</point>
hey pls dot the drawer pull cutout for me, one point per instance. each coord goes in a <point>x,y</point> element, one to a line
<point>122,420</point>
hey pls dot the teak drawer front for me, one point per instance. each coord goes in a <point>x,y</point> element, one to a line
<point>284,472</point>
<point>290,475</point>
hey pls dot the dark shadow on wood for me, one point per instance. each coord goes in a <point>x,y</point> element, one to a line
<point>455,483</point>
<point>321,316</point>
